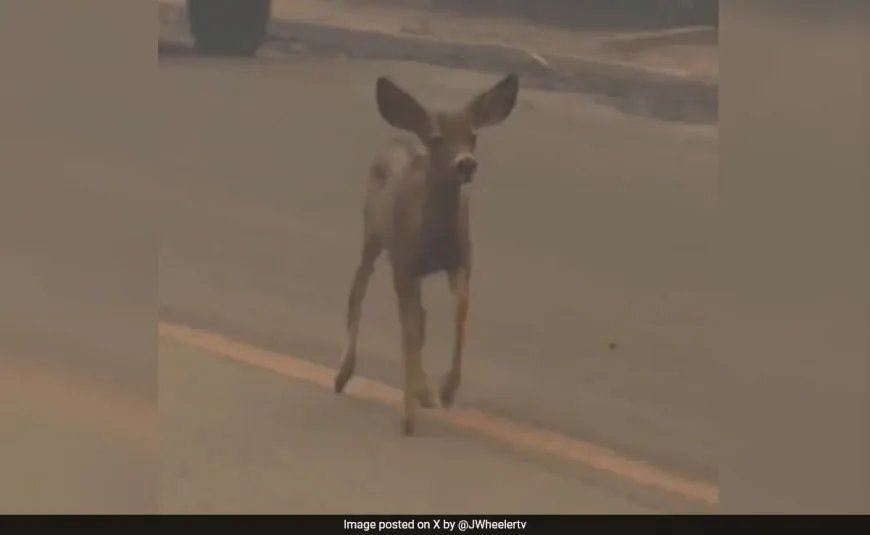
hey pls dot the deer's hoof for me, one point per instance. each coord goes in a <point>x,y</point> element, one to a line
<point>448,391</point>
<point>344,374</point>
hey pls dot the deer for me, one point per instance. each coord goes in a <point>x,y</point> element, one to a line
<point>417,210</point>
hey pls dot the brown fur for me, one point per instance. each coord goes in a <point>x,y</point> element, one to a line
<point>417,209</point>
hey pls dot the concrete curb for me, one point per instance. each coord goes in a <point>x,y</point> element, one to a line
<point>704,35</point>
<point>661,94</point>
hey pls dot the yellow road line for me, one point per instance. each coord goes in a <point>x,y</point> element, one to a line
<point>522,436</point>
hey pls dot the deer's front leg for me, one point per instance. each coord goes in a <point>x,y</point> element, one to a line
<point>412,316</point>
<point>460,285</point>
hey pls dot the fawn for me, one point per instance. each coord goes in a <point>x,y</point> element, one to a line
<point>417,209</point>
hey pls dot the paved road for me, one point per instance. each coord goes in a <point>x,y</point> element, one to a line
<point>237,439</point>
<point>253,186</point>
<point>591,301</point>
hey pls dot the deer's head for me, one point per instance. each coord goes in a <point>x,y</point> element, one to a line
<point>450,137</point>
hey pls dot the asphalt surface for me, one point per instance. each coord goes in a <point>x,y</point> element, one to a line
<point>590,302</point>
<point>591,228</point>
<point>237,439</point>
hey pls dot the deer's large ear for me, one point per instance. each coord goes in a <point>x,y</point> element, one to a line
<point>494,106</point>
<point>401,110</point>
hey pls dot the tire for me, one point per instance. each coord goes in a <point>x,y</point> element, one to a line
<point>229,27</point>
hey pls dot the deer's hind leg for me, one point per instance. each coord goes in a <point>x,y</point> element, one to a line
<point>370,252</point>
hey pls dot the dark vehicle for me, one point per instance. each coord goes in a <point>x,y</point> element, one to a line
<point>229,27</point>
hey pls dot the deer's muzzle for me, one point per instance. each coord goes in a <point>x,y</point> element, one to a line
<point>465,167</point>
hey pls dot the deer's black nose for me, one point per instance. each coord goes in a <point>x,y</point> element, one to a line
<point>466,167</point>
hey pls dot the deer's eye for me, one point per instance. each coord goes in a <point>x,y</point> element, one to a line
<point>472,140</point>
